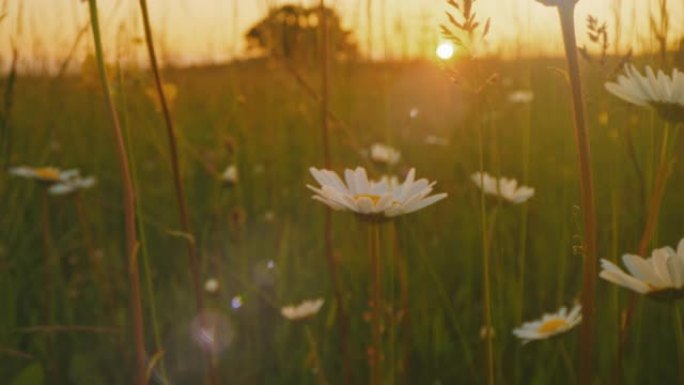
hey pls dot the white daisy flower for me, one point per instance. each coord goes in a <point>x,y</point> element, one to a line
<point>305,309</point>
<point>230,175</point>
<point>661,276</point>
<point>373,199</point>
<point>507,189</point>
<point>662,92</point>
<point>521,97</point>
<point>384,154</point>
<point>41,174</point>
<point>70,182</point>
<point>550,324</point>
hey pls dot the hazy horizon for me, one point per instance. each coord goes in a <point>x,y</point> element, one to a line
<point>211,31</point>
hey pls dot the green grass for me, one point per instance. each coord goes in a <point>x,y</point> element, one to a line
<point>274,125</point>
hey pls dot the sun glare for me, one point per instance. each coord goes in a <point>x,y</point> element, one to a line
<point>445,50</point>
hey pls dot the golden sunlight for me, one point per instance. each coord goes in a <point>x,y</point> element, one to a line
<point>445,50</point>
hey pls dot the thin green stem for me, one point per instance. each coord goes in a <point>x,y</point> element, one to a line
<point>50,274</point>
<point>662,177</point>
<point>391,323</point>
<point>486,284</point>
<point>568,362</point>
<point>679,337</point>
<point>342,319</point>
<point>453,317</point>
<point>144,250</point>
<point>404,293</point>
<point>315,357</point>
<point>375,353</point>
<point>129,206</point>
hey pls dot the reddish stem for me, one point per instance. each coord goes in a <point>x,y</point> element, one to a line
<point>566,12</point>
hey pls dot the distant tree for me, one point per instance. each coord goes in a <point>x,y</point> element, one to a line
<point>293,32</point>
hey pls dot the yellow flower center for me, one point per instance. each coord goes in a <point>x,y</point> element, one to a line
<point>374,198</point>
<point>552,325</point>
<point>47,173</point>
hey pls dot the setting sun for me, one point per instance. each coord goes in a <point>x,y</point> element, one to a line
<point>346,192</point>
<point>445,50</point>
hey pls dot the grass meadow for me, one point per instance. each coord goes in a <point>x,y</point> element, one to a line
<point>64,291</point>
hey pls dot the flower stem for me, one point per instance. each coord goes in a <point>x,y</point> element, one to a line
<point>314,357</point>
<point>404,293</point>
<point>129,205</point>
<point>375,355</point>
<point>679,336</point>
<point>181,201</point>
<point>662,176</point>
<point>486,284</point>
<point>567,362</point>
<point>566,12</point>
<point>50,274</point>
<point>173,147</point>
<point>342,320</point>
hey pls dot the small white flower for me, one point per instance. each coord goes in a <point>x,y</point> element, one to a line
<point>230,175</point>
<point>414,112</point>
<point>521,97</point>
<point>383,154</point>
<point>662,92</point>
<point>432,140</point>
<point>661,276</point>
<point>70,182</point>
<point>211,285</point>
<point>305,309</point>
<point>373,199</point>
<point>42,174</point>
<point>550,324</point>
<point>507,189</point>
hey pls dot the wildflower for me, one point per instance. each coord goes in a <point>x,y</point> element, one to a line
<point>663,93</point>
<point>71,182</point>
<point>521,97</point>
<point>41,174</point>
<point>230,176</point>
<point>661,276</point>
<point>383,154</point>
<point>305,309</point>
<point>236,302</point>
<point>550,324</point>
<point>373,199</point>
<point>507,189</point>
<point>211,285</point>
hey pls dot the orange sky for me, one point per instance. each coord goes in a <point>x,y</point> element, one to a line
<point>205,30</point>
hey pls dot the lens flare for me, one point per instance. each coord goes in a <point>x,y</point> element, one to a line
<point>211,331</point>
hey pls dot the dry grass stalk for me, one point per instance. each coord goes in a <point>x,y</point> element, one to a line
<point>128,204</point>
